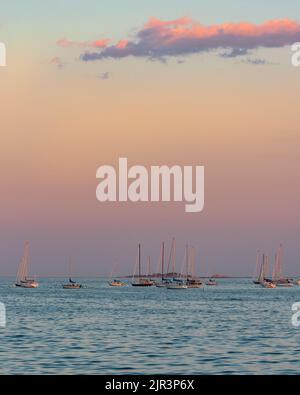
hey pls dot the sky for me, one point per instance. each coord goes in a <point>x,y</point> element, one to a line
<point>162,82</point>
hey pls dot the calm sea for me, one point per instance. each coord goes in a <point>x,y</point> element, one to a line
<point>233,328</point>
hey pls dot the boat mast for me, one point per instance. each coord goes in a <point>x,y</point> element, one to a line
<point>149,266</point>
<point>23,268</point>
<point>266,266</point>
<point>162,260</point>
<point>187,260</point>
<point>256,271</point>
<point>280,268</point>
<point>275,271</point>
<point>173,257</point>
<point>139,260</point>
<point>194,263</point>
<point>262,270</point>
<point>70,268</point>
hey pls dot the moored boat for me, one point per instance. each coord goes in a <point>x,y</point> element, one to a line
<point>192,281</point>
<point>278,277</point>
<point>164,282</point>
<point>22,280</point>
<point>211,282</point>
<point>72,284</point>
<point>140,281</point>
<point>268,284</point>
<point>116,283</point>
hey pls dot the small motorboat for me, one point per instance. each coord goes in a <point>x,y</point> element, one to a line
<point>194,282</point>
<point>116,283</point>
<point>72,285</point>
<point>211,282</point>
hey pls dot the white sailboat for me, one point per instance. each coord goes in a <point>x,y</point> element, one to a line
<point>278,276</point>
<point>192,281</point>
<point>264,281</point>
<point>115,282</point>
<point>164,281</point>
<point>23,280</point>
<point>179,283</point>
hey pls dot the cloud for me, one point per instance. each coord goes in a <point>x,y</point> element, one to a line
<point>181,37</point>
<point>56,61</point>
<point>235,52</point>
<point>256,62</point>
<point>104,76</point>
<point>65,43</point>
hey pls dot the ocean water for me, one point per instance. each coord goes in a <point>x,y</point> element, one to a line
<point>234,328</point>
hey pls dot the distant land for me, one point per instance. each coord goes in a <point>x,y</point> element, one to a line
<point>170,275</point>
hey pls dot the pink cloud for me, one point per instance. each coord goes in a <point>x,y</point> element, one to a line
<point>100,43</point>
<point>122,44</point>
<point>184,36</point>
<point>65,43</point>
<point>56,61</point>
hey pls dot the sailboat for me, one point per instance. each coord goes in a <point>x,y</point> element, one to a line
<point>164,282</point>
<point>264,281</point>
<point>141,282</point>
<point>72,284</point>
<point>261,269</point>
<point>278,276</point>
<point>192,281</point>
<point>22,279</point>
<point>179,283</point>
<point>256,279</point>
<point>115,282</point>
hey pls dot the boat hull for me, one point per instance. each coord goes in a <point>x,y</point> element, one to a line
<point>114,284</point>
<point>288,285</point>
<point>70,286</point>
<point>141,285</point>
<point>28,285</point>
<point>268,284</point>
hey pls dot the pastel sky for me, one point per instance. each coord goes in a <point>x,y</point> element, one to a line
<point>159,82</point>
